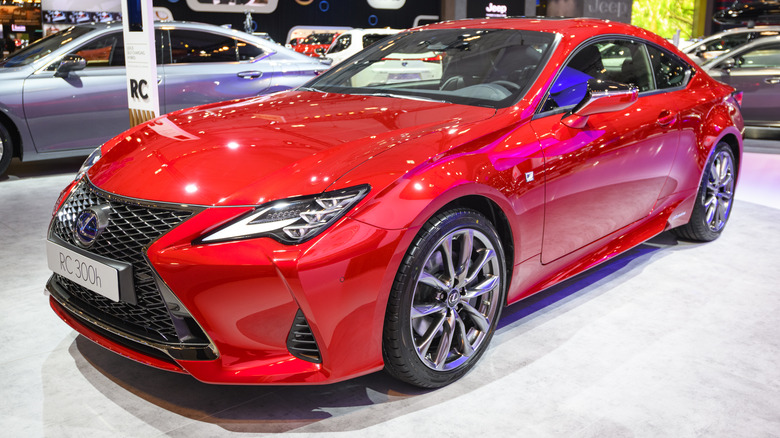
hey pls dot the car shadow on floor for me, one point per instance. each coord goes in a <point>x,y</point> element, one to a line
<point>347,406</point>
<point>34,169</point>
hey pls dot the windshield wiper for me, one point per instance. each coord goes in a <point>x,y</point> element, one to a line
<point>401,96</point>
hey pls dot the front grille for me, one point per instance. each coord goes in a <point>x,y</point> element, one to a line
<point>301,342</point>
<point>132,227</point>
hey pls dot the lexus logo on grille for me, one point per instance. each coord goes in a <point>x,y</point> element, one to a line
<point>90,223</point>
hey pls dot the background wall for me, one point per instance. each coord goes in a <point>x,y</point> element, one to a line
<point>289,13</point>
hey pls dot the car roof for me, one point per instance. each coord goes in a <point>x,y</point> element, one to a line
<point>173,24</point>
<point>747,29</point>
<point>383,30</point>
<point>574,29</point>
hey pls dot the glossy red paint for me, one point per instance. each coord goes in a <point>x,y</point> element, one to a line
<point>323,136</point>
<point>564,200</point>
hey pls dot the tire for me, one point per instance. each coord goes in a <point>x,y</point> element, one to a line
<point>6,150</point>
<point>714,198</point>
<point>441,316</point>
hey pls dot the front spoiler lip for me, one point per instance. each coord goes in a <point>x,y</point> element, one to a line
<point>175,352</point>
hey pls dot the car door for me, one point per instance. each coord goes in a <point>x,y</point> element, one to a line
<point>206,67</point>
<point>84,109</point>
<point>608,174</point>
<point>756,73</point>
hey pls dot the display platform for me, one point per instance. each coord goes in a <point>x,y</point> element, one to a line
<point>670,339</point>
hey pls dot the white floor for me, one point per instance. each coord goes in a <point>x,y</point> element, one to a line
<point>671,340</point>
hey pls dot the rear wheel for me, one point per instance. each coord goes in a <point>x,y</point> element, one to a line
<point>714,199</point>
<point>6,150</point>
<point>446,300</point>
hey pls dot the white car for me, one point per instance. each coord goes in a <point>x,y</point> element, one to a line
<point>355,40</point>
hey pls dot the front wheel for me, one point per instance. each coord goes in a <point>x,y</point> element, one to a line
<point>446,300</point>
<point>714,198</point>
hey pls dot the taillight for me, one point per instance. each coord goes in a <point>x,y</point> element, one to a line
<point>738,97</point>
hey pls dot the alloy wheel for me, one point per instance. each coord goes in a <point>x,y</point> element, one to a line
<point>719,192</point>
<point>456,298</point>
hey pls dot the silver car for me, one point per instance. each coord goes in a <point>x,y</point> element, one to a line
<point>66,94</point>
<point>715,45</point>
<point>754,69</point>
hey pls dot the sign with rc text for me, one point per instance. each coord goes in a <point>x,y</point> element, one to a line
<point>140,60</point>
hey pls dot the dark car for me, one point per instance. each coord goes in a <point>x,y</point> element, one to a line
<point>754,69</point>
<point>750,12</point>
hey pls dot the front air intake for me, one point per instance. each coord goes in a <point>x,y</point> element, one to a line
<point>301,342</point>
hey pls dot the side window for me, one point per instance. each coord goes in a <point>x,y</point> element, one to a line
<point>762,57</point>
<point>342,43</point>
<point>669,70</point>
<point>727,42</point>
<point>248,51</point>
<point>106,51</point>
<point>613,60</point>
<point>189,46</point>
<point>370,39</point>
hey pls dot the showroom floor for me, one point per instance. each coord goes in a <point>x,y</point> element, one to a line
<point>672,339</point>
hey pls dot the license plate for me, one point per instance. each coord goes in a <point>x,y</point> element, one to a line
<point>83,270</point>
<point>400,77</point>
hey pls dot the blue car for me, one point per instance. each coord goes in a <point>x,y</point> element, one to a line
<point>66,94</point>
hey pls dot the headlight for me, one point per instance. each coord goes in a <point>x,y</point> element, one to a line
<point>293,220</point>
<point>89,162</point>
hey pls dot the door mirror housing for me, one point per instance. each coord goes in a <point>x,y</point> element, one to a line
<point>601,97</point>
<point>68,64</point>
<point>728,64</point>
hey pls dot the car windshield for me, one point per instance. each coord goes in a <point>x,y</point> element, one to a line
<point>483,67</point>
<point>319,38</point>
<point>43,47</point>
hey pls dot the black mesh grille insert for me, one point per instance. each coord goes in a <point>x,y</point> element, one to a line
<point>301,342</point>
<point>131,229</point>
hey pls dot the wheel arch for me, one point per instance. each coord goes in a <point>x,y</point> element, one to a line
<point>490,209</point>
<point>13,131</point>
<point>736,149</point>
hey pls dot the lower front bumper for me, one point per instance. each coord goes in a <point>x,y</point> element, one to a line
<point>246,295</point>
<point>199,361</point>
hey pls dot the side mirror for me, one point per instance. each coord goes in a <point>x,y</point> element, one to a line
<point>68,64</point>
<point>728,64</point>
<point>601,97</point>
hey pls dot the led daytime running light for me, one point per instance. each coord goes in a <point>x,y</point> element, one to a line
<point>293,220</point>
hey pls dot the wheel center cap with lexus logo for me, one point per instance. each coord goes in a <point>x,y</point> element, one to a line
<point>90,223</point>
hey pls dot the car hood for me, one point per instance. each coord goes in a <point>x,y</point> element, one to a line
<point>252,151</point>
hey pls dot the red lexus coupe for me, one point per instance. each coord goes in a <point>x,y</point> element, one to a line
<point>384,214</point>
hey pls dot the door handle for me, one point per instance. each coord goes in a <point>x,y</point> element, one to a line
<point>666,117</point>
<point>159,80</point>
<point>253,74</point>
<point>772,81</point>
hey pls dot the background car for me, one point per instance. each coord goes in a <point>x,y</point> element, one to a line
<point>715,45</point>
<point>754,69</point>
<point>355,40</point>
<point>749,12</point>
<point>50,110</point>
<point>315,44</point>
<point>337,229</point>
